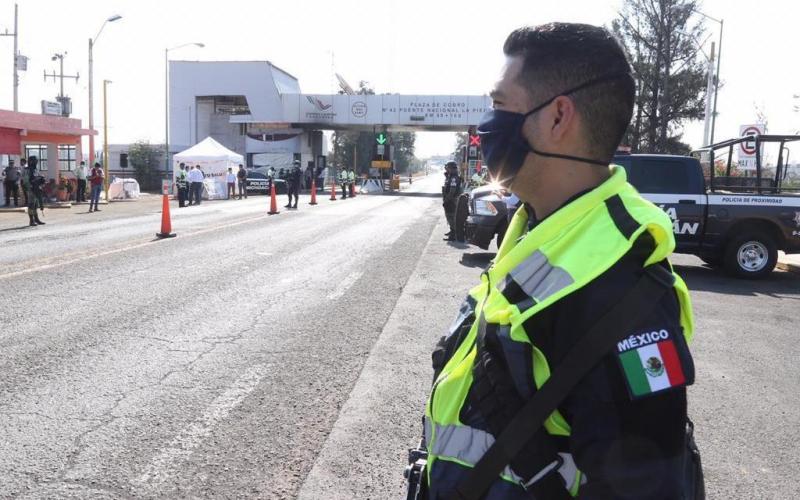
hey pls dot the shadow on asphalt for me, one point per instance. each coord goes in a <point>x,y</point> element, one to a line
<point>20,228</point>
<point>706,279</point>
<point>479,260</point>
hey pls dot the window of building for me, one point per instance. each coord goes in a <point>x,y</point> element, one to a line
<point>66,157</point>
<point>39,151</point>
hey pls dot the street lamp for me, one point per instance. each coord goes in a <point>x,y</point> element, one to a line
<point>92,41</point>
<point>167,166</point>
<point>710,82</point>
<point>105,138</point>
<point>716,79</point>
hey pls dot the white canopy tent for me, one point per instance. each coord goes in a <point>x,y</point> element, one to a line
<point>214,160</point>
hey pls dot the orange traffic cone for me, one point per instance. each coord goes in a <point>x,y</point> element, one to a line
<point>333,190</point>
<point>273,203</point>
<point>313,192</point>
<point>166,223</point>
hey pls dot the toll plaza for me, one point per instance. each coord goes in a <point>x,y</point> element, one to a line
<point>259,111</point>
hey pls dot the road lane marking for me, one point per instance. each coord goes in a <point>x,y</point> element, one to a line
<point>161,467</point>
<point>141,244</point>
<point>343,285</point>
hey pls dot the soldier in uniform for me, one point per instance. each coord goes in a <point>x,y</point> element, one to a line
<point>450,191</point>
<point>33,185</point>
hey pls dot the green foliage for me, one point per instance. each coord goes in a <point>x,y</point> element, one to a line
<point>356,148</point>
<point>461,143</point>
<point>661,38</point>
<point>146,159</point>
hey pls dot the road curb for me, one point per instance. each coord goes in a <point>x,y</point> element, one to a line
<point>792,268</point>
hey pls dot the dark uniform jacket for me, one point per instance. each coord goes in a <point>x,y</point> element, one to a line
<point>628,448</point>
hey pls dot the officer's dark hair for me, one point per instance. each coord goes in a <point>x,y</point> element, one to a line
<point>560,56</point>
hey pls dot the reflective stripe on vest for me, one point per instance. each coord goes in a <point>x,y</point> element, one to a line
<point>533,270</point>
<point>466,445</point>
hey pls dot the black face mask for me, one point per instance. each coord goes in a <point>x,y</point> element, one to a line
<point>503,146</point>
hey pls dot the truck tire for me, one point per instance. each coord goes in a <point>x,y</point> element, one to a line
<point>460,217</point>
<point>752,255</point>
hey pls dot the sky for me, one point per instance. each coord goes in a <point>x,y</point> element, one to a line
<point>399,46</point>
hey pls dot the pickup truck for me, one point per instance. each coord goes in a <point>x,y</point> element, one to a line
<point>736,222</point>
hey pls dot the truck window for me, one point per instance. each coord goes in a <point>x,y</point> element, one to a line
<point>658,175</point>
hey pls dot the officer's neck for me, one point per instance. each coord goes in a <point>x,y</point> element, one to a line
<point>546,186</point>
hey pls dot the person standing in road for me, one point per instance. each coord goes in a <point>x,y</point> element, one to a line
<point>580,311</point>
<point>80,174</point>
<point>450,193</point>
<point>96,181</point>
<point>182,183</point>
<point>11,178</point>
<point>343,182</point>
<point>34,185</point>
<point>295,178</point>
<point>351,180</point>
<point>241,177</point>
<point>196,185</point>
<point>231,177</point>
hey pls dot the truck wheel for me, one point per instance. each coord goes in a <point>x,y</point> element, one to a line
<point>460,217</point>
<point>752,255</point>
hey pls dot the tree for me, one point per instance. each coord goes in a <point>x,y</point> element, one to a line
<point>403,150</point>
<point>461,143</point>
<point>356,148</point>
<point>146,159</point>
<point>661,39</point>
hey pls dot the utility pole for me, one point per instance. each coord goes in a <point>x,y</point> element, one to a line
<point>15,80</point>
<point>105,138</point>
<point>66,103</point>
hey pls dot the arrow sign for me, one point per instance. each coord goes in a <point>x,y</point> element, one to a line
<point>381,138</point>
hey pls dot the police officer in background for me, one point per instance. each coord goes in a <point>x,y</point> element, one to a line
<point>11,178</point>
<point>351,180</point>
<point>583,242</point>
<point>343,180</point>
<point>295,177</point>
<point>182,183</point>
<point>451,189</point>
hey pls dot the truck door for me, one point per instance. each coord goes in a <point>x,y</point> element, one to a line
<point>676,185</point>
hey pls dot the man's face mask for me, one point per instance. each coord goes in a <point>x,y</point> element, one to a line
<point>503,145</point>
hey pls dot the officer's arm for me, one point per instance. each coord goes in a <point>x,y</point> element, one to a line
<point>631,446</point>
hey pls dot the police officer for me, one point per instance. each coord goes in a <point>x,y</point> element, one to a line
<point>351,180</point>
<point>182,182</point>
<point>451,189</point>
<point>343,181</point>
<point>34,186</point>
<point>579,243</point>
<point>294,184</point>
<point>11,175</point>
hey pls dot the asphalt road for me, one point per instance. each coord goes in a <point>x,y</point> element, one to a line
<point>288,356</point>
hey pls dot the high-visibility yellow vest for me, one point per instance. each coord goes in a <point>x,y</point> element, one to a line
<point>562,254</point>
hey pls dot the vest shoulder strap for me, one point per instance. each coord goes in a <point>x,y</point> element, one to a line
<point>598,341</point>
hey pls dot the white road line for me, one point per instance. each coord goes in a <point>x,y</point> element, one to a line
<point>160,468</point>
<point>343,285</point>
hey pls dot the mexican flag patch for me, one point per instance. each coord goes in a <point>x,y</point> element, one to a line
<point>650,362</point>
